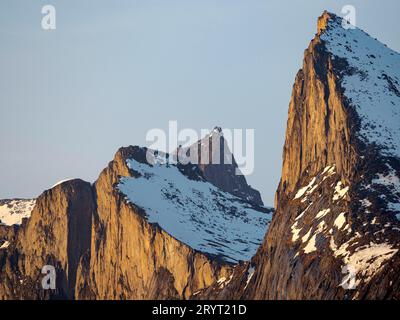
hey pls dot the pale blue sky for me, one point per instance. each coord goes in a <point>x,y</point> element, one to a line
<point>115,69</point>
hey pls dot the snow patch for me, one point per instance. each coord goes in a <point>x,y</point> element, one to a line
<point>311,247</point>
<point>196,212</point>
<point>13,211</point>
<point>307,236</point>
<point>295,232</point>
<point>371,83</point>
<point>222,282</point>
<point>339,191</point>
<point>340,221</point>
<point>302,191</point>
<point>61,182</point>
<point>328,171</point>
<point>295,229</point>
<point>5,245</point>
<point>391,181</point>
<point>369,259</point>
<point>366,260</point>
<point>250,274</point>
<point>322,213</point>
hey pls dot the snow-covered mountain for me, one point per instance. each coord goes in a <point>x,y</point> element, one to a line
<point>194,211</point>
<point>149,228</point>
<point>371,83</point>
<point>370,79</point>
<point>336,230</point>
<point>13,211</point>
<point>146,229</point>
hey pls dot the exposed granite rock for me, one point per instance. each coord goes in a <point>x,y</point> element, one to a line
<point>101,247</point>
<point>336,207</point>
<point>335,201</point>
<point>57,234</point>
<point>133,259</point>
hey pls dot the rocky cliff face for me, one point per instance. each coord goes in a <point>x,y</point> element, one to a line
<point>219,167</point>
<point>101,246</point>
<point>131,258</point>
<point>57,234</point>
<point>158,230</point>
<point>335,233</point>
<point>106,241</point>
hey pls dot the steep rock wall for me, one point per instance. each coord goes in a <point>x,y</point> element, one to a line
<point>333,235</point>
<point>57,234</point>
<point>132,259</point>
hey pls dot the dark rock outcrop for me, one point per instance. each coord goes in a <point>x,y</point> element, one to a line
<point>219,166</point>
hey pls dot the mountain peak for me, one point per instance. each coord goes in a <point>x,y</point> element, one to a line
<point>323,21</point>
<point>337,204</point>
<point>370,78</point>
<point>223,173</point>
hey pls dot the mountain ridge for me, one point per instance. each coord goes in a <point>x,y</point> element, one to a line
<point>335,233</point>
<point>334,226</point>
<point>113,244</point>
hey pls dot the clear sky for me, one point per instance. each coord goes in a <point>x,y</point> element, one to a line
<point>112,70</point>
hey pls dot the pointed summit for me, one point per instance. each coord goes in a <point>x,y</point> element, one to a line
<point>323,21</point>
<point>370,78</point>
<point>338,201</point>
<point>218,166</point>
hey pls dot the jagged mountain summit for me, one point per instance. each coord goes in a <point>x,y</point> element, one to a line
<point>161,230</point>
<point>143,230</point>
<point>336,232</point>
<point>370,79</point>
<point>225,174</point>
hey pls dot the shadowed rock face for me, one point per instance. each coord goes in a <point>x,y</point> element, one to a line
<point>219,167</point>
<point>336,201</point>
